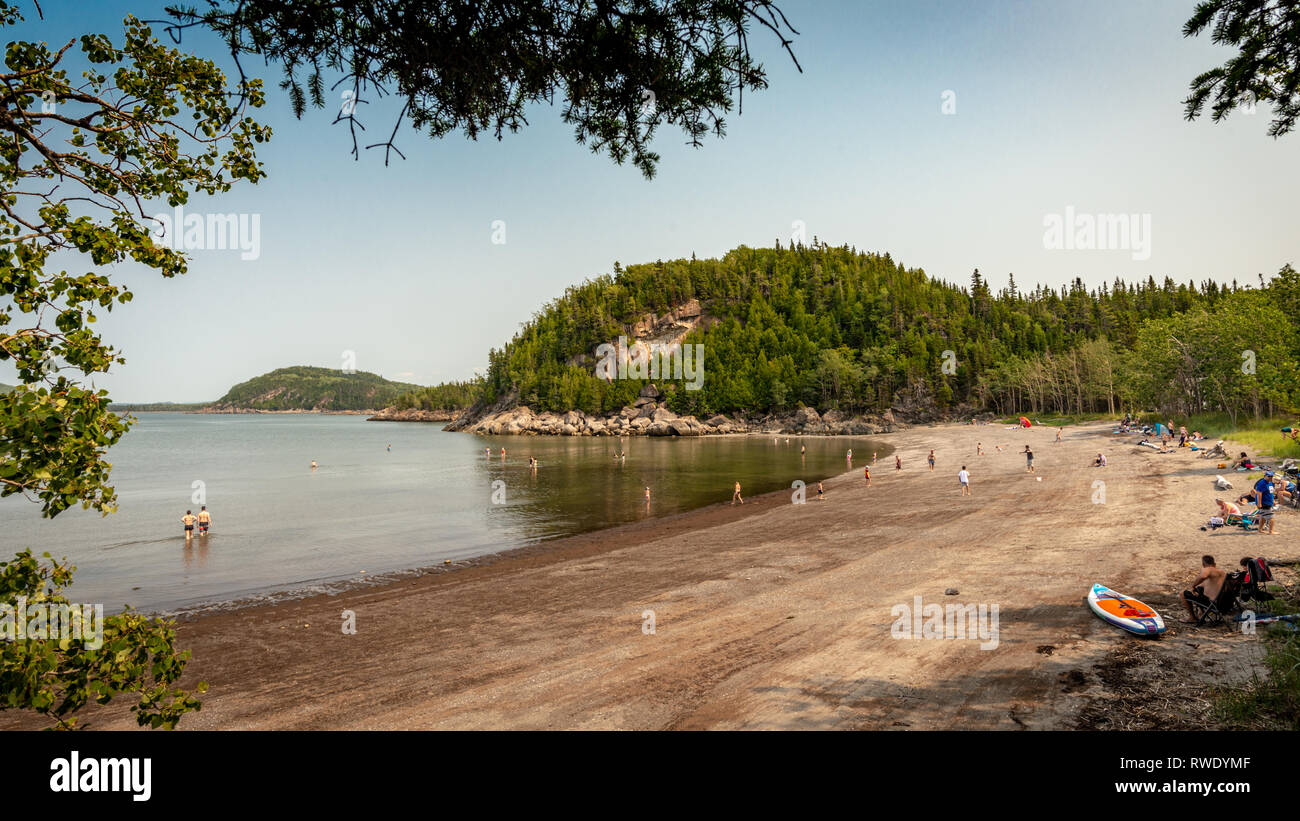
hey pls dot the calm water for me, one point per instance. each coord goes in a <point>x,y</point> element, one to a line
<point>279,527</point>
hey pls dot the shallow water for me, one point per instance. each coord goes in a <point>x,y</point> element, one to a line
<point>279,526</point>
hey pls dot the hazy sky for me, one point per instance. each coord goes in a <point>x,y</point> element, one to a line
<point>1058,105</point>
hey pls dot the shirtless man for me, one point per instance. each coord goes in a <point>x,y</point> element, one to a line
<point>1205,589</point>
<point>188,520</point>
<point>205,520</point>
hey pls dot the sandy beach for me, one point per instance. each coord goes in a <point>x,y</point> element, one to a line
<point>777,615</point>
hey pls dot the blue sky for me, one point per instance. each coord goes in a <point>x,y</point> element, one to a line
<point>1058,105</point>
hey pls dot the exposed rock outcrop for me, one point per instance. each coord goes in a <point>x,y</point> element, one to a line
<point>413,415</point>
<point>652,419</point>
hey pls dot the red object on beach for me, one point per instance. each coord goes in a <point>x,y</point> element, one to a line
<point>1024,422</point>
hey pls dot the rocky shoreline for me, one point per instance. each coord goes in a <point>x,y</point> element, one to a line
<point>412,415</point>
<point>231,410</point>
<point>645,417</point>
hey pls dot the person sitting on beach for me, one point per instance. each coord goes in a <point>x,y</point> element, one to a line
<point>205,520</point>
<point>1244,463</point>
<point>1205,589</point>
<point>1100,461</point>
<point>735,495</point>
<point>188,520</point>
<point>1227,509</point>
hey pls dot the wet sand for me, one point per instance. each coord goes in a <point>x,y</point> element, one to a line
<point>775,615</point>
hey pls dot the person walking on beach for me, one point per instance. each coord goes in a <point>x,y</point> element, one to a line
<point>188,520</point>
<point>1265,499</point>
<point>930,459</point>
<point>898,462</point>
<point>205,520</point>
<point>963,476</point>
<point>1058,435</point>
<point>873,457</point>
<point>979,448</point>
<point>1029,460</point>
<point>866,474</point>
<point>820,492</point>
<point>735,495</point>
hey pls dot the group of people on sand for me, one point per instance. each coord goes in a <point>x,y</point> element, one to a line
<point>1266,493</point>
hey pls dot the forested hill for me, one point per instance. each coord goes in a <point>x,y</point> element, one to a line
<point>308,388</point>
<point>858,332</point>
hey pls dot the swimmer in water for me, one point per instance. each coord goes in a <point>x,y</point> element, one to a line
<point>313,464</point>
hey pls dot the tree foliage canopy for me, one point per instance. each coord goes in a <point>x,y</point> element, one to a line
<point>620,68</point>
<point>83,160</point>
<point>1266,68</point>
<point>833,328</point>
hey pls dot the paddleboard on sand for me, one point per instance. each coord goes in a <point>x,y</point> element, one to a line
<point>1124,612</point>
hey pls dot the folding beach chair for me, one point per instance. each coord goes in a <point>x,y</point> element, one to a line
<point>1252,583</point>
<point>1226,602</point>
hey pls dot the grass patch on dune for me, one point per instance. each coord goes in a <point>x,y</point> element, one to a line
<point>1260,438</point>
<point>1271,701</point>
<point>1057,420</point>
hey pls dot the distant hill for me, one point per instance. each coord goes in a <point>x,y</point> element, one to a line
<point>306,388</point>
<point>5,388</point>
<point>146,407</point>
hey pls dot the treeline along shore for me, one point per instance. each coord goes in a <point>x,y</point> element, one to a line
<point>834,340</point>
